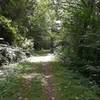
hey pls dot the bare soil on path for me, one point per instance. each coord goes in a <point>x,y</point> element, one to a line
<point>48,87</point>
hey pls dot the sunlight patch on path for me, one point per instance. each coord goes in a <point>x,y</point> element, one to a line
<point>48,58</point>
<point>31,76</point>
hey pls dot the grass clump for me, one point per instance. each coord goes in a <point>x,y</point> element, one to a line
<point>15,87</point>
<point>73,86</point>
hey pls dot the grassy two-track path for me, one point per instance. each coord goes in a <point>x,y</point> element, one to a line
<point>44,78</point>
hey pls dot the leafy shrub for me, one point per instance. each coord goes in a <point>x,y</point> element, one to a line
<point>82,32</point>
<point>7,30</point>
<point>27,44</point>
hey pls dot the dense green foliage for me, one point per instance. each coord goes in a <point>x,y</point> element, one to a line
<point>11,12</point>
<point>12,9</point>
<point>72,85</point>
<point>82,32</point>
<point>29,18</point>
<point>7,30</point>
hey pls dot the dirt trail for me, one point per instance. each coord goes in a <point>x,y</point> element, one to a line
<point>48,88</point>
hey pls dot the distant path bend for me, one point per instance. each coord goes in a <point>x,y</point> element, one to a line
<point>38,59</point>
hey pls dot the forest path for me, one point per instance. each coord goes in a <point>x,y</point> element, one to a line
<point>47,81</point>
<point>32,78</point>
